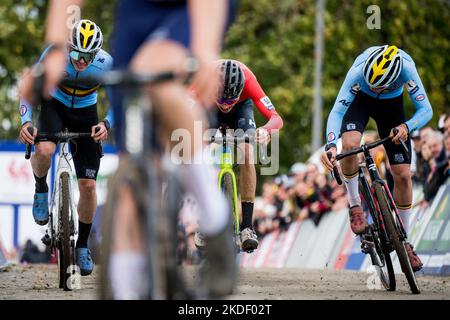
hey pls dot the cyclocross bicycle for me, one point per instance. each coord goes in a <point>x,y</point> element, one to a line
<point>155,190</point>
<point>385,233</point>
<point>227,178</point>
<point>62,227</point>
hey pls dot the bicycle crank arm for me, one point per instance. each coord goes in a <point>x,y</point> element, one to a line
<point>368,247</point>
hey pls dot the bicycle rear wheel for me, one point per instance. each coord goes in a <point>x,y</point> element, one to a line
<point>386,206</point>
<point>66,247</point>
<point>227,189</point>
<point>384,268</point>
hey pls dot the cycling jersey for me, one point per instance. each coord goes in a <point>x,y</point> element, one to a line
<point>78,96</point>
<point>354,82</point>
<point>252,90</point>
<point>240,118</point>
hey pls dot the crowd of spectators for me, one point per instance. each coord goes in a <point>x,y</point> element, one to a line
<point>432,157</point>
<point>305,193</point>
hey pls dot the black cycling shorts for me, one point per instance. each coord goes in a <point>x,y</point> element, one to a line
<point>387,113</point>
<point>240,117</point>
<point>55,117</point>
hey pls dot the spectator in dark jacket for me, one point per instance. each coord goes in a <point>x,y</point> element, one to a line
<point>436,144</point>
<point>422,169</point>
<point>438,178</point>
<point>439,164</point>
<point>447,145</point>
<point>282,217</point>
<point>447,124</point>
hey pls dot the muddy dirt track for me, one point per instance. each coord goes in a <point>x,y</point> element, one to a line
<point>40,282</point>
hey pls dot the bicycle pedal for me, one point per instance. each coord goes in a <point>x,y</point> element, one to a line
<point>368,243</point>
<point>367,246</point>
<point>364,249</point>
<point>46,240</point>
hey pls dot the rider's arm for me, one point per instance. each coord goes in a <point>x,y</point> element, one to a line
<point>58,15</point>
<point>109,119</point>
<point>25,108</point>
<point>57,33</point>
<point>262,102</point>
<point>342,103</point>
<point>208,25</point>
<point>416,91</point>
<point>207,20</point>
<point>107,66</point>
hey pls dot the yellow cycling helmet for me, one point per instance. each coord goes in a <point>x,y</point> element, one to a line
<point>86,37</point>
<point>382,67</point>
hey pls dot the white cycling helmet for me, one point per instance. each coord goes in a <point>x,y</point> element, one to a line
<point>86,37</point>
<point>382,67</point>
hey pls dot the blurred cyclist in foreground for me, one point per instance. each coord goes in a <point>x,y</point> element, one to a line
<point>157,36</point>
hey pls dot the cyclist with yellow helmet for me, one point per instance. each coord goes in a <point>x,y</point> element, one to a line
<point>373,88</point>
<point>73,107</point>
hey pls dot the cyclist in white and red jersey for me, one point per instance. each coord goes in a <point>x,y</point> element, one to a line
<point>239,91</point>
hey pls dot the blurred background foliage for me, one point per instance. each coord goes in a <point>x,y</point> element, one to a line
<point>276,40</point>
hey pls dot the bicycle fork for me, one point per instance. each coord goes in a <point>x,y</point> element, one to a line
<point>50,237</point>
<point>227,168</point>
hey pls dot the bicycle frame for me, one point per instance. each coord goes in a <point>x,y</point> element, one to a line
<point>226,166</point>
<point>372,205</point>
<point>376,178</point>
<point>63,166</point>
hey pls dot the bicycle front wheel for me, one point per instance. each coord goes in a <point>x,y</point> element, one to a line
<point>381,259</point>
<point>128,177</point>
<point>133,177</point>
<point>388,213</point>
<point>385,270</point>
<point>66,250</point>
<point>228,191</point>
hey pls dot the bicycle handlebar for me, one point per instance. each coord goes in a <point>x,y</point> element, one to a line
<point>112,78</point>
<point>233,139</point>
<point>362,149</point>
<point>123,78</point>
<point>60,136</point>
<point>336,174</point>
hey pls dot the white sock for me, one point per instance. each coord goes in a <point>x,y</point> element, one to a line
<point>404,215</point>
<point>201,180</point>
<point>352,191</point>
<point>128,275</point>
